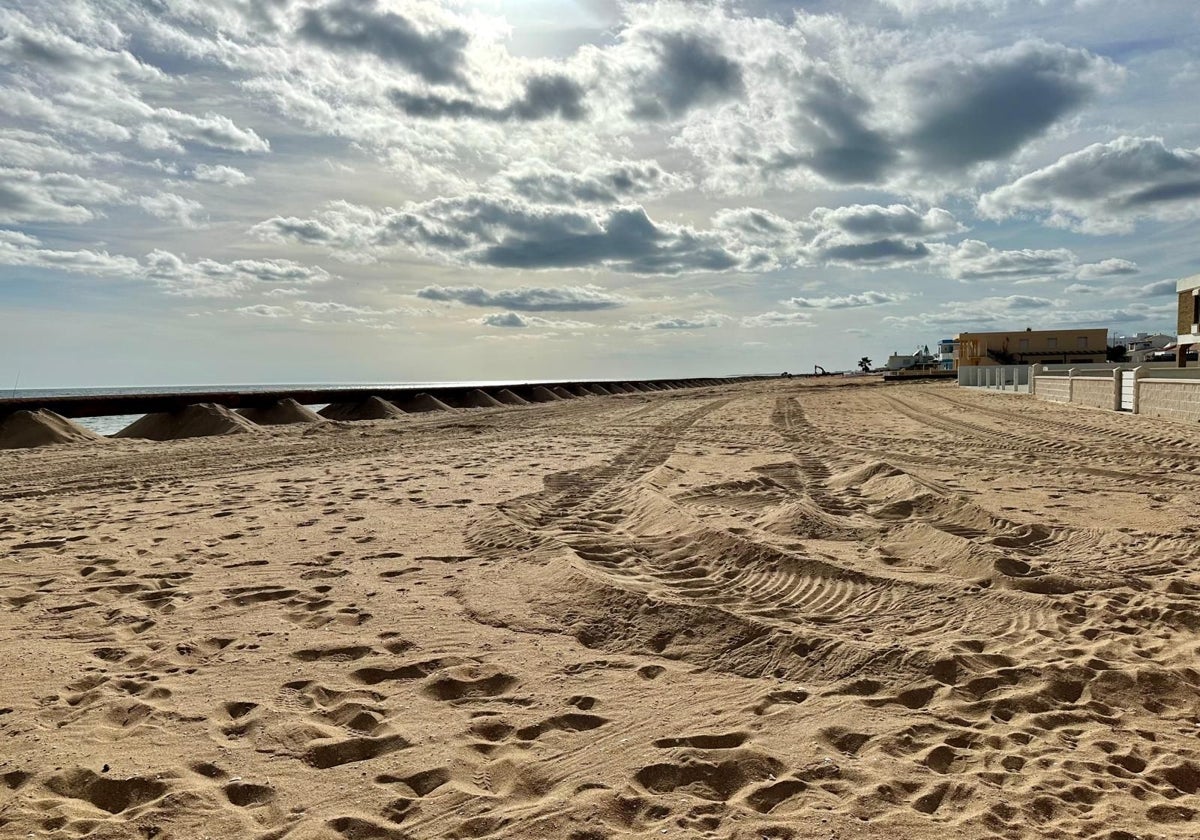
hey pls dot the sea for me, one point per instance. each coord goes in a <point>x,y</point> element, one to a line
<point>113,423</point>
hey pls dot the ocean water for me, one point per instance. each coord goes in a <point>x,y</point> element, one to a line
<point>113,423</point>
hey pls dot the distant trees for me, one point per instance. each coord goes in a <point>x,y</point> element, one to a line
<point>864,364</point>
<point>1117,353</point>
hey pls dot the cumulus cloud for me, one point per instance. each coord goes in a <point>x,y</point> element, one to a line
<point>1106,268</point>
<point>219,174</point>
<point>167,127</point>
<point>262,310</point>
<point>1107,187</point>
<point>836,141</point>
<point>690,70</point>
<point>972,261</point>
<point>511,320</point>
<point>171,273</point>
<point>609,183</point>
<point>503,232</point>
<point>27,195</point>
<point>362,27</point>
<point>851,301</point>
<point>669,322</point>
<point>778,319</point>
<point>545,97</point>
<point>528,298</point>
<point>184,212</point>
<point>974,110</point>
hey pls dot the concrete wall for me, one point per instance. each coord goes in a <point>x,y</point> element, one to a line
<point>1053,388</point>
<point>1093,391</point>
<point>1170,399</point>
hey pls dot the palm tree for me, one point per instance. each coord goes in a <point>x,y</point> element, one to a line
<point>864,364</point>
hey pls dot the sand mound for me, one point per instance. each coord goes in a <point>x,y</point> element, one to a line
<point>861,475</point>
<point>281,413</point>
<point>478,399</point>
<point>541,393</point>
<point>26,429</point>
<point>509,398</point>
<point>562,393</point>
<point>422,403</point>
<point>199,420</point>
<point>372,408</point>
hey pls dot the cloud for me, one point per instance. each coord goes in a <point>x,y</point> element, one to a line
<point>545,97</point>
<point>1107,187</point>
<point>851,301</point>
<point>184,212</point>
<point>220,174</point>
<point>609,183</point>
<point>1161,288</point>
<point>361,27</point>
<point>504,232</point>
<point>778,319</point>
<point>974,110</point>
<point>528,299</point>
<point>262,310</point>
<point>27,195</point>
<point>1106,268</point>
<point>873,220</point>
<point>667,322</point>
<point>511,320</point>
<point>972,261</point>
<point>167,271</point>
<point>842,148</point>
<point>690,71</point>
<point>167,126</point>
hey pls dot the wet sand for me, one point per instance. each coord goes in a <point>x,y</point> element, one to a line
<point>785,609</point>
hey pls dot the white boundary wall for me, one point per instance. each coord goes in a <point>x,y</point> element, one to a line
<point>1158,391</point>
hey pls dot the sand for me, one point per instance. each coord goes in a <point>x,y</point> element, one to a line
<point>509,398</point>
<point>423,403</point>
<point>478,399</point>
<point>199,420</point>
<point>28,429</point>
<point>372,408</point>
<point>281,413</point>
<point>783,609</point>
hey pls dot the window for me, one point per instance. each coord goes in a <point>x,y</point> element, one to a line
<point>1081,342</point>
<point>1195,308</point>
<point>1052,343</point>
<point>1023,344</point>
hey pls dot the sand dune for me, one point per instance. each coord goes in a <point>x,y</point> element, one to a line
<point>784,609</point>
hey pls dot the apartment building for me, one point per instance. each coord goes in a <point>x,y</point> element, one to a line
<point>1028,347</point>
<point>1188,328</point>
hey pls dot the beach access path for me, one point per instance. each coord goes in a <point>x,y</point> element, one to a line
<point>793,608</point>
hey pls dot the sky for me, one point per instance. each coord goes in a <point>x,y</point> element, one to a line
<point>269,191</point>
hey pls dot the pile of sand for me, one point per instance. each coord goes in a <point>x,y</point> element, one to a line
<point>600,390</point>
<point>422,403</point>
<point>509,398</point>
<point>478,399</point>
<point>199,420</point>
<point>541,393</point>
<point>562,393</point>
<point>26,429</point>
<point>281,413</point>
<point>372,408</point>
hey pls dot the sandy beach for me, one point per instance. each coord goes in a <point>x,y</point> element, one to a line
<point>788,609</point>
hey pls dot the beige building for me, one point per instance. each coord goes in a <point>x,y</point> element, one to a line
<point>1188,328</point>
<point>1028,347</point>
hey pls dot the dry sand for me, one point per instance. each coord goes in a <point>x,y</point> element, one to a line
<point>780,610</point>
<point>27,429</point>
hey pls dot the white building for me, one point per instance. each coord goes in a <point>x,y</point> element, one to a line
<point>1141,346</point>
